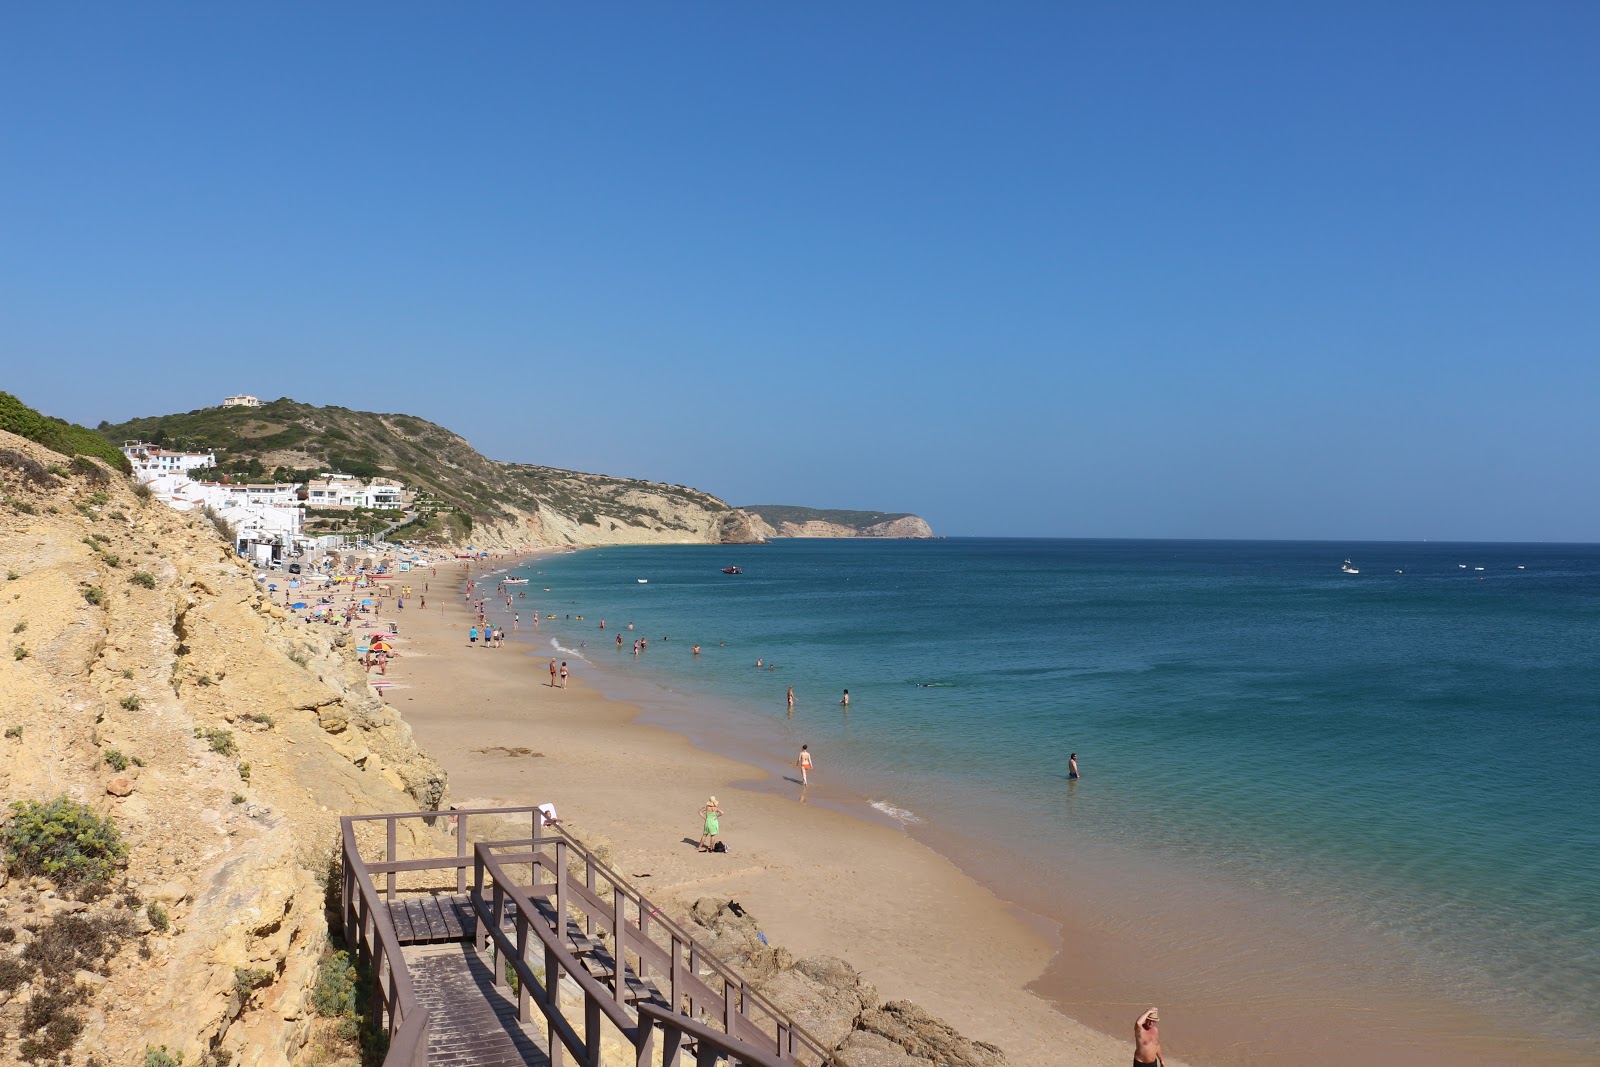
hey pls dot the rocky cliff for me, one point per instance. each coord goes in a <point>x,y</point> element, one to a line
<point>148,679</point>
<point>788,520</point>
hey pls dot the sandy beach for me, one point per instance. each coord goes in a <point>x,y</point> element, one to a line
<point>819,881</point>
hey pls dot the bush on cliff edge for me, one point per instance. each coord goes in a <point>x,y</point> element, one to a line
<point>62,840</point>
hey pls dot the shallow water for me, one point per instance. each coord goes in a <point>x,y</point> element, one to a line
<point>1393,776</point>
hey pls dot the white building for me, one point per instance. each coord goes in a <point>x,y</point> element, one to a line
<point>151,460</point>
<point>268,494</point>
<point>243,400</point>
<point>348,491</point>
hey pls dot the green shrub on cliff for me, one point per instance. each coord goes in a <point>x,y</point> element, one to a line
<point>57,434</point>
<point>63,840</point>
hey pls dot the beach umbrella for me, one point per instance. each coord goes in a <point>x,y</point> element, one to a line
<point>298,604</point>
<point>368,603</point>
<point>381,646</point>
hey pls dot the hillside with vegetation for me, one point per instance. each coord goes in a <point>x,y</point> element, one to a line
<point>462,495</point>
<point>58,435</point>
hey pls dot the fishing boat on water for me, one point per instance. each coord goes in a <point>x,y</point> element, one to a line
<point>1349,568</point>
<point>732,570</point>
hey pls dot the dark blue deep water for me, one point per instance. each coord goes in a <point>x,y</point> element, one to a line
<point>1414,752</point>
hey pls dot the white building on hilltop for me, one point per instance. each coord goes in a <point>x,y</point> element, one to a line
<point>149,461</point>
<point>243,400</point>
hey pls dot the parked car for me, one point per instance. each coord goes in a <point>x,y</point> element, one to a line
<point>294,568</point>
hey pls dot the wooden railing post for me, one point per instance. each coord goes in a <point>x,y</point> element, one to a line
<point>497,915</point>
<point>730,1007</point>
<point>523,996</point>
<point>561,890</point>
<point>591,1031</point>
<point>619,924</point>
<point>645,1044</point>
<point>589,880</point>
<point>552,992</point>
<point>461,852</point>
<point>391,856</point>
<point>676,977</point>
<point>375,948</point>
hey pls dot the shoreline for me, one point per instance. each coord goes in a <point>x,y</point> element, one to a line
<point>492,721</point>
<point>1157,940</point>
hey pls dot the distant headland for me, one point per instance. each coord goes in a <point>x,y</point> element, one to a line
<point>789,520</point>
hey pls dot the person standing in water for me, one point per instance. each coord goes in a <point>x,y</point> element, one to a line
<point>1072,766</point>
<point>845,700</point>
<point>791,697</point>
<point>805,764</point>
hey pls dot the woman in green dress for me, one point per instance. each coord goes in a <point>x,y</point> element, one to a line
<point>708,836</point>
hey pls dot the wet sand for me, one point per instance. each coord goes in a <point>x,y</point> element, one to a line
<point>820,881</point>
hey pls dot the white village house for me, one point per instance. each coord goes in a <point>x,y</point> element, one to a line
<point>153,459</point>
<point>348,491</point>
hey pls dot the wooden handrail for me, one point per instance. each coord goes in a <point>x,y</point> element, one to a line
<point>714,1042</point>
<point>737,997</point>
<point>370,932</point>
<point>408,1022</point>
<point>557,959</point>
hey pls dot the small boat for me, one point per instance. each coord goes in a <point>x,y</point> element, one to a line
<point>1520,567</point>
<point>732,570</point>
<point>643,581</point>
<point>1463,566</point>
<point>1349,568</point>
<point>1477,568</point>
<point>514,581</point>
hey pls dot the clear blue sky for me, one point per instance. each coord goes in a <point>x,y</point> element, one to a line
<point>1162,269</point>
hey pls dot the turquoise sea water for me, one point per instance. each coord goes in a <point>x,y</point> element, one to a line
<point>1412,755</point>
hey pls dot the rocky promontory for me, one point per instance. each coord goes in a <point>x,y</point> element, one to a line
<point>789,520</point>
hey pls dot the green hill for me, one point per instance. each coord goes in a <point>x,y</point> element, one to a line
<point>288,440</point>
<point>57,435</point>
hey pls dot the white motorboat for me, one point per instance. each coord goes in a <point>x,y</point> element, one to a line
<point>514,581</point>
<point>1349,568</point>
<point>643,581</point>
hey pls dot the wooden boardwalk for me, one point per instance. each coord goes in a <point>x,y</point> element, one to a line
<point>591,956</point>
<point>433,919</point>
<point>474,1023</point>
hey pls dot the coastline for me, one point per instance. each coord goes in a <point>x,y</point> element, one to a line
<point>1131,929</point>
<point>914,923</point>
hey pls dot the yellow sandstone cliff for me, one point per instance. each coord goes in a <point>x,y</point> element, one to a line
<point>133,638</point>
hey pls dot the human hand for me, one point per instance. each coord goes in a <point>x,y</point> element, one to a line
<point>1147,1039</point>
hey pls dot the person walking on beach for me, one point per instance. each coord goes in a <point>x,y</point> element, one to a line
<point>552,674</point>
<point>1147,1040</point>
<point>472,636</point>
<point>563,674</point>
<point>712,814</point>
<point>1072,766</point>
<point>805,764</point>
